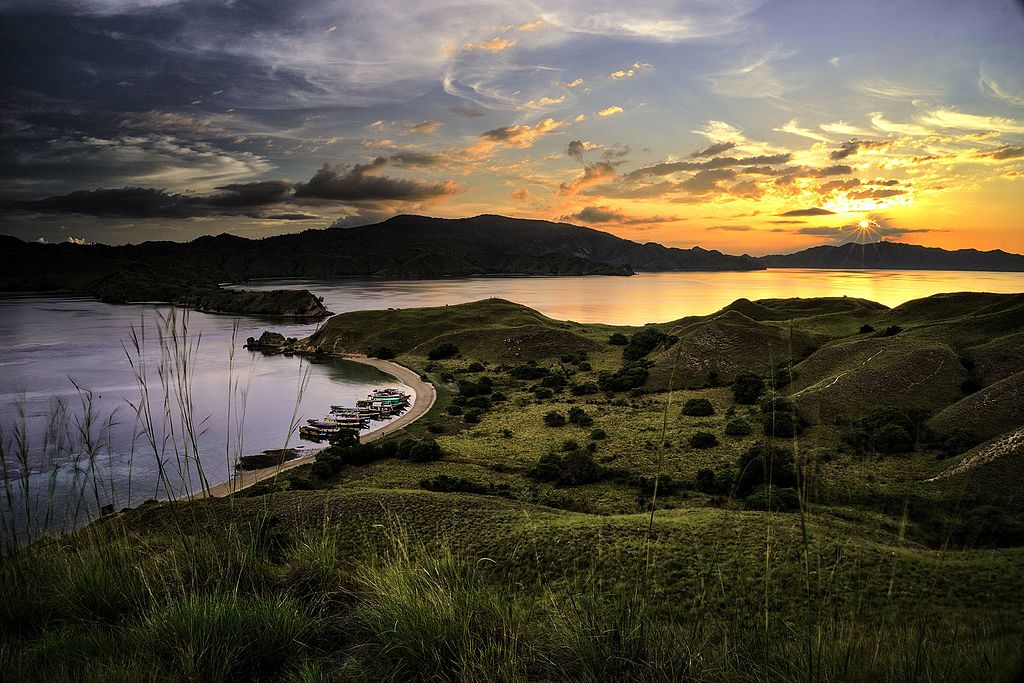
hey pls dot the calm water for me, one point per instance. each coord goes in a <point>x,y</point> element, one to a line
<point>650,297</point>
<point>69,351</point>
<point>63,354</point>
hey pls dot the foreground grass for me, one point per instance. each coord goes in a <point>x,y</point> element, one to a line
<point>367,586</point>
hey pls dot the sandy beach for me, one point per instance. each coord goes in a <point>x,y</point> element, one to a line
<point>425,395</point>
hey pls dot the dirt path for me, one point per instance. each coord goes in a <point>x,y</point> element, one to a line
<point>423,401</point>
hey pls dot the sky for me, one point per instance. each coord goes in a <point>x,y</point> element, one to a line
<point>745,126</point>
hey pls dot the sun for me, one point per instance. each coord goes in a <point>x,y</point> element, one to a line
<point>865,224</point>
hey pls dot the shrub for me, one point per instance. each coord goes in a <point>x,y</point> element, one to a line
<point>618,339</point>
<point>472,416</point>
<point>765,463</point>
<point>893,438</point>
<point>738,427</point>
<point>747,388</point>
<point>543,392</point>
<point>497,397</point>
<point>528,371</point>
<point>435,428</point>
<point>598,434</point>
<point>774,498</point>
<point>645,341</point>
<point>578,416</point>
<point>892,330</point>
<point>959,441</point>
<point>454,410</point>
<point>548,467</point>
<point>629,376</point>
<point>442,351</point>
<point>425,451</point>
<point>481,402</point>
<point>866,329</point>
<point>579,467</point>
<point>584,389</point>
<point>475,367</point>
<point>554,419</point>
<point>585,366</point>
<point>554,381</point>
<point>703,440</point>
<point>570,445</point>
<point>384,352</point>
<point>705,480</point>
<point>698,407</point>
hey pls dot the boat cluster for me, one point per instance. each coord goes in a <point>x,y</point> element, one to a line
<point>380,404</point>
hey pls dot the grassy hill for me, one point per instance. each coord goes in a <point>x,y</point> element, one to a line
<point>573,520</point>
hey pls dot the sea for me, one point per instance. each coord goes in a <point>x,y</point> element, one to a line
<point>112,405</point>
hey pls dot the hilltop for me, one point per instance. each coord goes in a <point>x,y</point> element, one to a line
<point>895,256</point>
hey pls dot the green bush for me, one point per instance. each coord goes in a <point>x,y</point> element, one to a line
<point>705,480</point>
<point>481,402</point>
<point>703,440</point>
<point>554,419</point>
<point>543,393</point>
<point>765,463</point>
<point>747,388</point>
<point>893,438</point>
<point>598,434</point>
<point>698,407</point>
<point>738,427</point>
<point>454,410</point>
<point>570,445</point>
<point>584,389</point>
<point>629,376</point>
<point>645,341</point>
<point>578,416</point>
<point>384,353</point>
<point>554,381</point>
<point>618,339</point>
<point>475,367</point>
<point>472,416</point>
<point>774,498</point>
<point>442,351</point>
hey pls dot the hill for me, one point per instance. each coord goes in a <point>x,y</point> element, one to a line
<point>895,256</point>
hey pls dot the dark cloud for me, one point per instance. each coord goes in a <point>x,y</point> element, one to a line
<point>360,183</point>
<point>600,172</point>
<point>875,193</point>
<point>1005,152</point>
<point>831,185</point>
<point>712,150</point>
<point>418,159</point>
<point>837,169</point>
<point>604,214</point>
<point>466,112</point>
<point>707,181</point>
<point>876,228</point>
<point>731,228</point>
<point>851,147</point>
<point>815,211</point>
<point>502,134</point>
<point>788,222</point>
<point>669,168</point>
<point>576,148</point>
<point>253,194</point>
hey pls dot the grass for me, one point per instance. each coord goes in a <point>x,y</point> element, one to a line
<point>370,577</point>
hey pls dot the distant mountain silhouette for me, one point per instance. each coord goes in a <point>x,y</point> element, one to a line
<point>896,256</point>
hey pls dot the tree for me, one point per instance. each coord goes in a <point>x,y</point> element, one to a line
<point>442,351</point>
<point>618,339</point>
<point>703,440</point>
<point>765,463</point>
<point>738,427</point>
<point>554,419</point>
<point>892,438</point>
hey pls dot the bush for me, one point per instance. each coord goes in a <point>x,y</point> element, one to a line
<point>959,441</point>
<point>384,353</point>
<point>698,407</point>
<point>747,388</point>
<point>554,419</point>
<point>866,329</point>
<point>570,445</point>
<point>765,463</point>
<point>584,366</point>
<point>892,330</point>
<point>442,351</point>
<point>618,339</point>
<point>497,397</point>
<point>554,381</point>
<point>738,427</point>
<point>454,410</point>
<point>481,402</point>
<point>584,389</point>
<point>893,438</point>
<point>703,440</point>
<point>543,393</point>
<point>773,498</point>
<point>645,341</point>
<point>435,428</point>
<point>528,371</point>
<point>629,376</point>
<point>598,434</point>
<point>425,451</point>
<point>472,416</point>
<point>578,416</point>
<point>475,367</point>
<point>705,481</point>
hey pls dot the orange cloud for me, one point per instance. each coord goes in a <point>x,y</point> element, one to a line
<point>611,111</point>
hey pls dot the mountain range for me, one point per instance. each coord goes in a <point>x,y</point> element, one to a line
<point>415,247</point>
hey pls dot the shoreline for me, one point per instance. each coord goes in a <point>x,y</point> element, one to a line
<point>425,396</point>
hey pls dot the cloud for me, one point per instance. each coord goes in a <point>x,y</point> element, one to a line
<point>360,183</point>
<point>891,90</point>
<point>669,168</point>
<point>879,121</point>
<point>594,174</point>
<point>575,83</point>
<point>467,112</point>
<point>603,214</point>
<point>414,158</point>
<point>521,194</point>
<point>730,228</point>
<point>713,150</point>
<point>638,67</point>
<point>792,126</point>
<point>520,136</point>
<point>720,131</point>
<point>995,90</point>
<point>610,111</point>
<point>843,128</point>
<point>1005,152</point>
<point>950,118</point>
<point>576,148</point>
<point>424,127</point>
<point>814,211</point>
<point>869,230</point>
<point>703,182</point>
<point>851,147</point>
<point>497,44</point>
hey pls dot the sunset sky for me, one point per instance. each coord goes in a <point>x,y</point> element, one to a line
<point>757,127</point>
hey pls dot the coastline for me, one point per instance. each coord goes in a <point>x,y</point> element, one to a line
<point>425,395</point>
